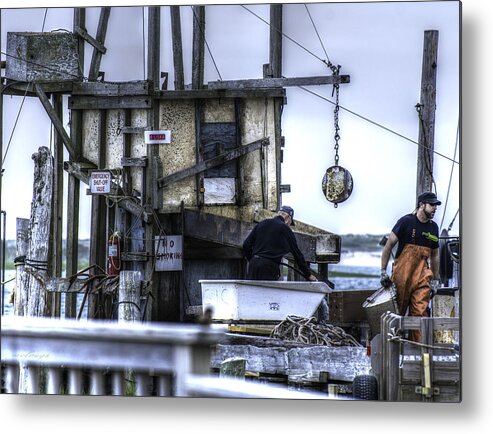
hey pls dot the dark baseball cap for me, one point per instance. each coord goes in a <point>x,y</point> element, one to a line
<point>428,197</point>
<point>289,211</point>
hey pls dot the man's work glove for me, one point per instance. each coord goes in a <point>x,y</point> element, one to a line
<point>385,279</point>
<point>434,285</point>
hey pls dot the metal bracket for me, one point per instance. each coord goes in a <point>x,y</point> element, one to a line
<point>427,391</point>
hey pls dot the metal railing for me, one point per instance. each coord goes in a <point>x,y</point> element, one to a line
<point>53,356</point>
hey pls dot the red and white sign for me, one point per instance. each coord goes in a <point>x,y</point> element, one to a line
<point>100,182</point>
<point>156,137</point>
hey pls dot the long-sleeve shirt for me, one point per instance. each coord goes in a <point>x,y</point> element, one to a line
<point>273,239</point>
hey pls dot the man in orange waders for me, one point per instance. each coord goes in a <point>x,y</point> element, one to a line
<point>415,270</point>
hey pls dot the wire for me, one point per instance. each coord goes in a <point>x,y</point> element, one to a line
<point>143,45</point>
<point>15,124</point>
<point>376,124</point>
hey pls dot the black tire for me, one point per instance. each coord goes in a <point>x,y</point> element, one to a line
<point>365,387</point>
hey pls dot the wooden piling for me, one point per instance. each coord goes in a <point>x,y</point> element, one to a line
<point>129,296</point>
<point>22,237</point>
<point>38,256</point>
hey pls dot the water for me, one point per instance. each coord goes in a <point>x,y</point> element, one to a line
<point>362,263</point>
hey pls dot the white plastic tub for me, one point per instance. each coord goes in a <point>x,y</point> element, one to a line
<point>261,300</point>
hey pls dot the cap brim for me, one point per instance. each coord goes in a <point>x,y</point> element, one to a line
<point>435,202</point>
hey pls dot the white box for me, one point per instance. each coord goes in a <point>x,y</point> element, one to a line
<point>261,299</point>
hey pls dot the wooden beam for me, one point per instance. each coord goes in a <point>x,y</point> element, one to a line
<point>278,82</point>
<point>154,50</point>
<point>80,22</point>
<point>275,49</point>
<point>109,103</point>
<point>57,123</point>
<point>198,47</point>
<point>426,113</point>
<point>87,37</point>
<point>100,37</point>
<point>277,92</point>
<point>177,47</point>
<point>213,162</point>
<point>123,89</point>
<point>20,89</point>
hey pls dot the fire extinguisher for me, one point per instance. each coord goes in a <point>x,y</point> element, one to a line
<point>114,254</point>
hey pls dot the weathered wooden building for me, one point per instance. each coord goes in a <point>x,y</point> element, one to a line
<point>177,177</point>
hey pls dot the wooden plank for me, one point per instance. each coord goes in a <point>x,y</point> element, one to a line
<point>21,89</point>
<point>96,88</point>
<point>100,37</point>
<point>278,82</point>
<point>202,166</point>
<point>80,21</point>
<point>177,47</point>
<point>55,120</point>
<point>134,162</point>
<point>87,37</point>
<point>109,103</point>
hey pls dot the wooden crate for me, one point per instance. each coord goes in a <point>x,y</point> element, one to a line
<point>42,56</point>
<point>346,307</point>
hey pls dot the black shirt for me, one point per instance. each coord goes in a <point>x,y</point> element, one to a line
<point>272,239</point>
<point>409,230</point>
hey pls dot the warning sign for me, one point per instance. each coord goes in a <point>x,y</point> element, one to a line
<point>169,253</point>
<point>155,137</point>
<point>100,182</point>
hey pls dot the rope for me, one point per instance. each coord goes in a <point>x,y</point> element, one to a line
<point>377,124</point>
<point>392,337</point>
<point>308,331</point>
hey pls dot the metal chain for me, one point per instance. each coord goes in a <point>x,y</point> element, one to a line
<point>337,136</point>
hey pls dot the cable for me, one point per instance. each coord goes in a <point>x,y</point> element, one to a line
<point>206,43</point>
<point>450,180</point>
<point>316,31</point>
<point>286,36</point>
<point>143,44</point>
<point>375,123</point>
<point>44,20</point>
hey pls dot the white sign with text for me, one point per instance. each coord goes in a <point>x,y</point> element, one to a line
<point>100,182</point>
<point>169,253</point>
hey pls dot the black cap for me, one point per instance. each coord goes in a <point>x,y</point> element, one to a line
<point>428,197</point>
<point>289,211</point>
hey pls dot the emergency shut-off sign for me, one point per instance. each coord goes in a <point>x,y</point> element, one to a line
<point>100,182</point>
<point>169,253</point>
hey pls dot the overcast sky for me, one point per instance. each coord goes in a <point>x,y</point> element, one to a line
<point>379,45</point>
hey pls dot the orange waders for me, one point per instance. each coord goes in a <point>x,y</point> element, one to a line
<point>411,276</point>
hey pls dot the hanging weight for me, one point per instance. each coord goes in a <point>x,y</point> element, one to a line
<point>337,184</point>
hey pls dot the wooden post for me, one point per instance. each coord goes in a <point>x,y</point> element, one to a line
<point>100,37</point>
<point>154,46</point>
<point>198,47</point>
<point>99,234</point>
<point>57,204</point>
<point>22,239</point>
<point>177,47</point>
<point>73,184</point>
<point>38,257</point>
<point>129,296</point>
<point>426,112</point>
<point>275,52</point>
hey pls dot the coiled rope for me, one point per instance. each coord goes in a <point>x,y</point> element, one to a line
<point>309,331</point>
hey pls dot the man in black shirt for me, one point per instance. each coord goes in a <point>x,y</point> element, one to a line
<point>415,270</point>
<point>267,244</point>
